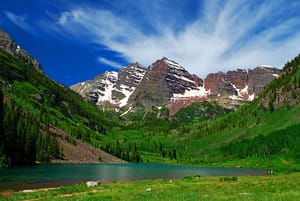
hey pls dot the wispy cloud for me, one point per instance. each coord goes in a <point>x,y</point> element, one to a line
<point>20,21</point>
<point>219,35</point>
<point>109,62</point>
<point>228,35</point>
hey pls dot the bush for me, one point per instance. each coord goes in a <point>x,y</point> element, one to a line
<point>228,179</point>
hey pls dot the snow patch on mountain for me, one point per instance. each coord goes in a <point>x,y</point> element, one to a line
<point>183,78</point>
<point>109,79</point>
<point>241,93</point>
<point>244,91</point>
<point>251,97</point>
<point>173,64</point>
<point>113,87</point>
<point>127,91</point>
<point>126,112</point>
<point>266,66</point>
<point>235,97</point>
<point>199,92</point>
<point>83,86</point>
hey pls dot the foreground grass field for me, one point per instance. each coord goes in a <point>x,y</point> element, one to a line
<point>265,188</point>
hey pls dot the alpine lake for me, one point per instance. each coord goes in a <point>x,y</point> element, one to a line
<point>55,175</point>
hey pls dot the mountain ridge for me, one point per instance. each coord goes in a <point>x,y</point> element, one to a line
<point>204,133</point>
<point>30,102</point>
<point>9,45</point>
<point>167,83</point>
<point>113,87</point>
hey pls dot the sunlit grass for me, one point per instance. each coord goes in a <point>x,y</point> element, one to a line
<point>277,187</point>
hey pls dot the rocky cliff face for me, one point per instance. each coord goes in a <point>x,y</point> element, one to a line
<point>167,83</point>
<point>259,77</point>
<point>98,90</point>
<point>128,79</point>
<point>7,44</point>
<point>112,87</point>
<point>218,85</point>
<point>240,84</point>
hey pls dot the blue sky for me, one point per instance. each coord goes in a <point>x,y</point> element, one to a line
<point>77,40</point>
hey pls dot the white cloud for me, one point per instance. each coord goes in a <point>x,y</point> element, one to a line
<point>20,21</point>
<point>109,62</point>
<point>228,35</point>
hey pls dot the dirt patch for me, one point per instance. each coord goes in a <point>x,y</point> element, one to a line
<point>179,103</point>
<point>6,194</point>
<point>80,152</point>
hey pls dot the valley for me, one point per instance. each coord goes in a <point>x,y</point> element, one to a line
<point>204,132</point>
<point>162,114</point>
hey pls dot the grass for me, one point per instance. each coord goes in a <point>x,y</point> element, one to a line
<point>276,163</point>
<point>269,122</point>
<point>193,145</point>
<point>272,188</point>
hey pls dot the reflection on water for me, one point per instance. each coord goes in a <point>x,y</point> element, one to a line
<point>18,178</point>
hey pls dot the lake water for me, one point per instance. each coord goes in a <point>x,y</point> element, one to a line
<point>41,176</point>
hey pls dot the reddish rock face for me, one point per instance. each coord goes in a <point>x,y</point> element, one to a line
<point>163,79</point>
<point>176,105</point>
<point>166,82</point>
<point>239,78</point>
<point>211,82</point>
<point>218,85</point>
<point>153,89</point>
<point>259,77</point>
<point>240,82</point>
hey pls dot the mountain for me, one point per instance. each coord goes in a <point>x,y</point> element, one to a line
<point>167,83</point>
<point>240,84</point>
<point>112,87</point>
<point>263,133</point>
<point>286,89</point>
<point>41,120</point>
<point>234,87</point>
<point>8,45</point>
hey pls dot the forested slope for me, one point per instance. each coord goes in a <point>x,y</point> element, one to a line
<point>201,133</point>
<point>263,129</point>
<point>31,102</point>
<point>269,126</point>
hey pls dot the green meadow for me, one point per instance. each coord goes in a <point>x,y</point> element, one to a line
<point>264,188</point>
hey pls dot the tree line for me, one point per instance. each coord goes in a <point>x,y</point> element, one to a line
<point>285,141</point>
<point>22,141</point>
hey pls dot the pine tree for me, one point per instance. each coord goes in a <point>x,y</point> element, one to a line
<point>10,133</point>
<point>31,143</point>
<point>174,154</point>
<point>54,148</point>
<point>1,115</point>
<point>1,127</point>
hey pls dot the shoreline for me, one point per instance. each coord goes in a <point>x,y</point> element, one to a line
<point>285,186</point>
<point>57,175</point>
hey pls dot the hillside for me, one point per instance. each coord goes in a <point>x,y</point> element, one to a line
<point>76,151</point>
<point>200,133</point>
<point>31,101</point>
<point>200,111</point>
<point>263,133</point>
<point>266,128</point>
